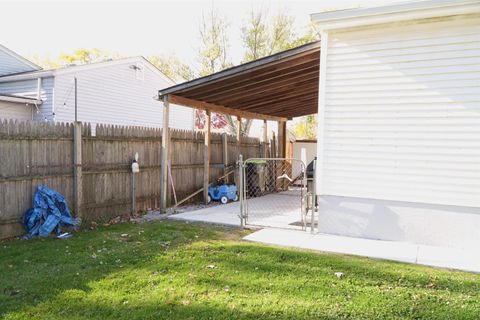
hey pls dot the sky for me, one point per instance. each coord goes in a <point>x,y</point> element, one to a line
<point>143,27</point>
<point>146,27</point>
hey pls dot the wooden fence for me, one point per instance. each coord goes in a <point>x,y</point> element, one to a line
<point>35,153</point>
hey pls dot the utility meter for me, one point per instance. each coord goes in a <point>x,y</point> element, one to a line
<point>135,167</point>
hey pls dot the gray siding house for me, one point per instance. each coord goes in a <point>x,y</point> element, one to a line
<point>119,92</point>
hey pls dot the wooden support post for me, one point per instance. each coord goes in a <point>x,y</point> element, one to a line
<point>77,169</point>
<point>225,155</point>
<point>282,139</point>
<point>239,131</point>
<point>206,157</point>
<point>165,155</point>
<point>239,146</point>
<point>265,139</point>
<point>274,146</point>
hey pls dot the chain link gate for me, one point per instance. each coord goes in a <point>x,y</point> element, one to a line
<point>270,196</point>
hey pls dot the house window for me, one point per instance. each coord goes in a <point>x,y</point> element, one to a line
<point>139,71</point>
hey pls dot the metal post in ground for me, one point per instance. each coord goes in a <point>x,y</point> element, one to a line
<point>77,169</point>
<point>134,197</point>
<point>240,190</point>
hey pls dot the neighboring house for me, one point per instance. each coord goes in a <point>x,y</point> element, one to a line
<point>119,92</point>
<point>399,122</point>
<point>16,106</point>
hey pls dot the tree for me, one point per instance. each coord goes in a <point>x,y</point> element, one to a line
<point>213,53</point>
<point>310,35</point>
<point>172,67</point>
<point>213,57</point>
<point>86,56</point>
<point>281,34</point>
<point>78,57</point>
<point>255,37</point>
<point>260,41</point>
<point>44,62</point>
<point>305,127</point>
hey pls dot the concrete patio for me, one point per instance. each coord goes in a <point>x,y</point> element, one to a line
<point>282,228</point>
<point>279,210</point>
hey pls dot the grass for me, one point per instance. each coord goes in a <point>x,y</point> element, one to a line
<point>171,270</point>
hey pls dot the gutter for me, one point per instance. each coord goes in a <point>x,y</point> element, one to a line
<point>26,76</point>
<point>349,18</point>
<point>18,99</point>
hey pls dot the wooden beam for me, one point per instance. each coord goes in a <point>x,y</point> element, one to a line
<point>288,95</point>
<point>202,105</point>
<point>236,85</point>
<point>206,157</point>
<point>164,155</point>
<point>282,139</point>
<point>266,105</point>
<point>272,93</point>
<point>255,88</point>
<point>308,102</point>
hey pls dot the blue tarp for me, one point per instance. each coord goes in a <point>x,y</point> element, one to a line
<point>49,213</point>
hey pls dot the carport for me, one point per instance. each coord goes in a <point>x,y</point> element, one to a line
<point>275,88</point>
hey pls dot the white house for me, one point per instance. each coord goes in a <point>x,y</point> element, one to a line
<point>399,122</point>
<point>119,92</point>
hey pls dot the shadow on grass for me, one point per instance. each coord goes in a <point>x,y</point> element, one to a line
<point>306,264</point>
<point>122,258</point>
<point>34,271</point>
<point>162,310</point>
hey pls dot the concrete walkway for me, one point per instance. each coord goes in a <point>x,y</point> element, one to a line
<point>462,259</point>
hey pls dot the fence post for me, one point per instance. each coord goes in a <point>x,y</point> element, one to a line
<point>77,169</point>
<point>164,156</point>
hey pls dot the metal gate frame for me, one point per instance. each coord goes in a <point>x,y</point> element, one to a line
<point>243,197</point>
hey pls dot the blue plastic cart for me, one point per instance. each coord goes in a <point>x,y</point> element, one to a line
<point>223,193</point>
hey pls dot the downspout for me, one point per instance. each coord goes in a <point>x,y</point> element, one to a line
<point>39,88</point>
<point>39,94</point>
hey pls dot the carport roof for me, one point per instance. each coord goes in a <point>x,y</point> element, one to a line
<point>277,87</point>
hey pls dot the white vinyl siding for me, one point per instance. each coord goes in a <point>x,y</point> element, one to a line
<point>15,110</point>
<point>28,88</point>
<point>112,94</point>
<point>9,64</point>
<point>402,112</point>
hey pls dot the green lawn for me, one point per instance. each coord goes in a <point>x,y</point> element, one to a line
<point>169,270</point>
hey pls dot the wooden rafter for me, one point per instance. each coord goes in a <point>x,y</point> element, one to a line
<point>256,85</point>
<point>221,109</point>
<point>276,88</point>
